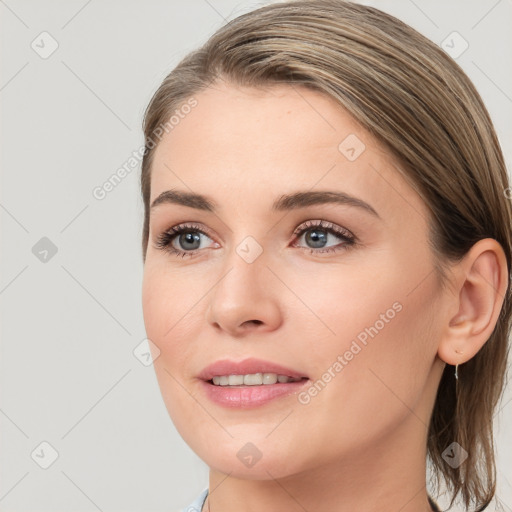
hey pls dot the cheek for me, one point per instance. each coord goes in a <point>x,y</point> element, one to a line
<point>168,303</point>
<point>347,307</point>
<point>373,372</point>
<point>377,343</point>
<point>167,318</point>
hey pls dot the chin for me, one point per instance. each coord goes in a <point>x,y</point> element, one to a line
<point>261,460</point>
<point>267,468</point>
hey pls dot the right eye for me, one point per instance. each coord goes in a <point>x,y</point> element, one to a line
<point>188,236</point>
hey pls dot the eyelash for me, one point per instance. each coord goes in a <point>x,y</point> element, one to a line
<point>164,241</point>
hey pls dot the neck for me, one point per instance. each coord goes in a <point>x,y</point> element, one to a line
<point>384,477</point>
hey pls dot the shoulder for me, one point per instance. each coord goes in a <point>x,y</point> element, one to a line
<point>198,503</point>
<point>433,504</point>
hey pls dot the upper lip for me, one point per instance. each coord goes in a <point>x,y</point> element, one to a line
<point>246,366</point>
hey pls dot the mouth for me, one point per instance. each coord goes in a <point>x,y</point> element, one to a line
<point>252,379</point>
<point>250,383</point>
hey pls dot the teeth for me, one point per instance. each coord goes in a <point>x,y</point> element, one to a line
<point>271,378</point>
<point>235,380</point>
<point>251,379</point>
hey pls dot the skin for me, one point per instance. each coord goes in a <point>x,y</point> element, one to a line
<point>359,444</point>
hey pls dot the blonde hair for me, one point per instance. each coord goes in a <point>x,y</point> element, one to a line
<point>420,104</point>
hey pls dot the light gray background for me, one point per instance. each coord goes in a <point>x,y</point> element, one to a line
<point>69,376</point>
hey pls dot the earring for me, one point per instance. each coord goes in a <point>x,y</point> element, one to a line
<point>457,366</point>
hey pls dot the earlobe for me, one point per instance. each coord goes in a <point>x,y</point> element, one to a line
<point>481,281</point>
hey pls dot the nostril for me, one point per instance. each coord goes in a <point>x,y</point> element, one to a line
<point>255,322</point>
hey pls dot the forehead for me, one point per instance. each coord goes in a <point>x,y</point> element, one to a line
<point>247,144</point>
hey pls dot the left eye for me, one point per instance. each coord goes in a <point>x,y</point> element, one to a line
<point>317,233</point>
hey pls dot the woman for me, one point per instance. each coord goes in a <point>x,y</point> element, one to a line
<point>327,254</point>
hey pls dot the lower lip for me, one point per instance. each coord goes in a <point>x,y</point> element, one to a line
<point>250,396</point>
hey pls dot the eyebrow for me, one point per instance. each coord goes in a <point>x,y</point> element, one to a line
<point>283,203</point>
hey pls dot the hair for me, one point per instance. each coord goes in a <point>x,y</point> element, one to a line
<point>421,106</point>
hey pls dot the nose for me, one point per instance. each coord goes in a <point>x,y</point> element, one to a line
<point>245,298</point>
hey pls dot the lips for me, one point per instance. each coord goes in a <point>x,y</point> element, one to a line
<point>247,366</point>
<point>249,396</point>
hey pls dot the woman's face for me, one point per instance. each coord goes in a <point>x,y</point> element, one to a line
<point>348,304</point>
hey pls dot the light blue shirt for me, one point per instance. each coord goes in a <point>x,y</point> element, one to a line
<point>198,503</point>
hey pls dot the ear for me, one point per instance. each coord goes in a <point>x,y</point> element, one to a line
<point>480,286</point>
